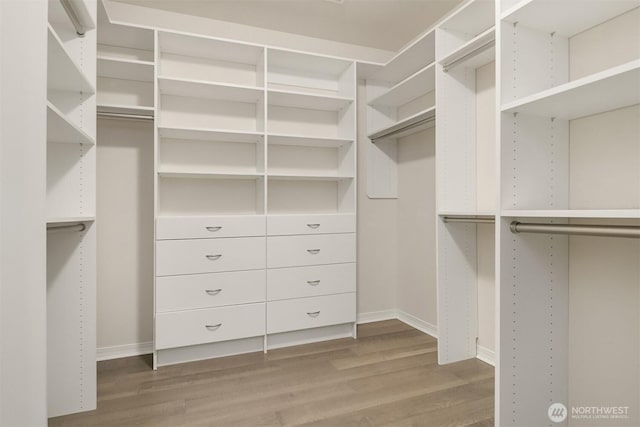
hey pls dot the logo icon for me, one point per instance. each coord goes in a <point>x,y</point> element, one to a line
<point>557,412</point>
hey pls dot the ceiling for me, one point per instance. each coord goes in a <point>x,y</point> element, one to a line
<point>382,24</point>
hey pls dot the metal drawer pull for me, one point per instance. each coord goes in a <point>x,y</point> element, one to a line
<point>213,292</point>
<point>313,282</point>
<point>213,257</point>
<point>213,327</point>
<point>314,226</point>
<point>213,229</point>
<point>313,251</point>
<point>313,313</point>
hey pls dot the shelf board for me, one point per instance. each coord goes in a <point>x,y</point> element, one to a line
<point>307,141</point>
<point>125,69</point>
<point>61,130</point>
<point>573,213</point>
<point>467,213</point>
<point>309,101</point>
<point>63,72</point>
<point>166,173</point>
<point>608,90</point>
<point>415,56</point>
<point>414,86</point>
<point>305,63</point>
<point>69,220</point>
<point>204,89</point>
<point>209,48</point>
<point>307,177</point>
<point>126,109</point>
<point>475,53</point>
<point>203,134</point>
<point>428,115</point>
<point>563,17</point>
<point>474,17</point>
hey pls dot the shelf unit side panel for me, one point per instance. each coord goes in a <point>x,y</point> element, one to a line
<point>534,327</point>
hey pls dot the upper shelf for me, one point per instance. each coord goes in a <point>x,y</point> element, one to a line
<point>565,18</point>
<point>204,89</point>
<point>284,98</point>
<point>473,18</point>
<point>202,134</point>
<point>61,130</point>
<point>204,47</point>
<point>63,73</point>
<point>608,90</point>
<point>418,122</point>
<point>408,89</point>
<point>414,57</point>
<point>125,69</point>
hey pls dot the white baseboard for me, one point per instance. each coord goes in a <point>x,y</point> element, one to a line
<point>486,355</point>
<point>377,316</point>
<point>417,323</point>
<point>119,351</point>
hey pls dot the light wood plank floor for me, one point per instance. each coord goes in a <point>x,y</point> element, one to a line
<point>389,376</point>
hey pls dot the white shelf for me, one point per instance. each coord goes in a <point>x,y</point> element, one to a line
<point>307,177</point>
<point>126,109</point>
<point>416,56</point>
<point>467,213</point>
<point>307,101</point>
<point>307,141</point>
<point>70,220</point>
<point>482,43</point>
<point>573,213</point>
<point>565,18</point>
<point>165,173</point>
<point>125,69</point>
<point>61,130</point>
<point>203,134</point>
<point>211,90</point>
<point>63,73</point>
<point>472,18</point>
<point>428,114</point>
<point>204,47</point>
<point>412,87</point>
<point>608,90</point>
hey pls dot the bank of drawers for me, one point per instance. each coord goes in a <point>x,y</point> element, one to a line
<point>211,282</point>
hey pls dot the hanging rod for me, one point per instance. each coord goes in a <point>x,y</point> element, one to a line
<point>394,132</point>
<point>487,45</point>
<point>468,219</point>
<point>70,9</point>
<point>66,227</point>
<point>124,116</point>
<point>577,229</point>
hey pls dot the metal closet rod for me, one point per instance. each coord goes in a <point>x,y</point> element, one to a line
<point>468,219</point>
<point>632,231</point>
<point>73,16</point>
<point>481,48</point>
<point>66,227</point>
<point>124,116</point>
<point>403,129</point>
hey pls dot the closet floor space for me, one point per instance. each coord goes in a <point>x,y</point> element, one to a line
<point>388,376</point>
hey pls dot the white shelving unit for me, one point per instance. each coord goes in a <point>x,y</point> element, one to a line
<point>465,173</point>
<point>71,254</point>
<point>568,155</point>
<point>401,101</point>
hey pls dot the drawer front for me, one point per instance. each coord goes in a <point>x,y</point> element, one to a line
<point>314,312</point>
<point>282,225</point>
<point>293,251</point>
<point>182,328</point>
<point>209,290</point>
<point>210,227</point>
<point>299,282</point>
<point>209,255</point>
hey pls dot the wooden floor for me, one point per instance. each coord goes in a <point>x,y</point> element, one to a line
<point>388,376</point>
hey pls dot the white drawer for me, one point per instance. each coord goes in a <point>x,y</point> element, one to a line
<point>298,282</point>
<point>305,313</point>
<point>209,290</point>
<point>281,225</point>
<point>210,227</point>
<point>209,255</point>
<point>182,328</point>
<point>293,251</point>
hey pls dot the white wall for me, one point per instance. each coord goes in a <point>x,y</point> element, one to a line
<point>23,340</point>
<point>125,166</point>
